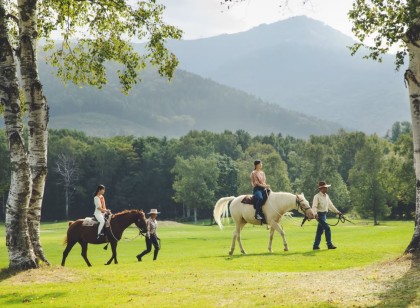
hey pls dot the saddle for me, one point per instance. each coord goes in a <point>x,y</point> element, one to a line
<point>92,221</point>
<point>249,199</point>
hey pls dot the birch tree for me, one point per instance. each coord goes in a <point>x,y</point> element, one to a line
<point>93,33</point>
<point>395,23</point>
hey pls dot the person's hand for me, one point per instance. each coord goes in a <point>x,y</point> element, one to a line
<point>267,187</point>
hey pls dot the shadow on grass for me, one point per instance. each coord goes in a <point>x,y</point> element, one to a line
<point>269,254</point>
<point>404,292</point>
<point>6,273</point>
<point>16,298</point>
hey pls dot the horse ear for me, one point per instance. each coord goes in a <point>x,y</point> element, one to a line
<point>302,194</point>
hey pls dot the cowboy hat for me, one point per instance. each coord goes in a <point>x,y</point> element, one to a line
<point>153,211</point>
<point>323,184</point>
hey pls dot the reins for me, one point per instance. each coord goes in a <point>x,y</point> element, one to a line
<point>298,205</point>
<point>112,233</point>
<point>341,218</point>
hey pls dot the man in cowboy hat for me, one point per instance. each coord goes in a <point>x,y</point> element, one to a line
<point>151,235</point>
<point>320,205</point>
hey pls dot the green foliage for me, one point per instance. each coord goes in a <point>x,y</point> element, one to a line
<point>367,190</point>
<point>195,182</point>
<point>201,167</point>
<point>387,23</point>
<point>104,30</point>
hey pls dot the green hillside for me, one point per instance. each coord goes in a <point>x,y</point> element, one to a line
<point>156,107</point>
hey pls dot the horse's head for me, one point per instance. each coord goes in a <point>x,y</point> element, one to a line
<point>304,206</point>
<point>140,221</point>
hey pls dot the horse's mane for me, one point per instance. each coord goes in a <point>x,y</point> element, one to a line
<point>127,211</point>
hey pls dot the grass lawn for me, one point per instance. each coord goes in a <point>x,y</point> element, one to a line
<point>194,269</point>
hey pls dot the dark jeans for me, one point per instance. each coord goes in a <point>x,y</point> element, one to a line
<point>322,225</point>
<point>258,195</point>
<point>153,240</point>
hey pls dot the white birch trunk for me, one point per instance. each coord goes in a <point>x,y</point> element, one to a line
<point>21,255</point>
<point>412,77</point>
<point>37,118</point>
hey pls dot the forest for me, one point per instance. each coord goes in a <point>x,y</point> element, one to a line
<point>372,177</point>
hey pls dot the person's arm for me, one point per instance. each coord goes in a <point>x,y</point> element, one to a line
<point>331,206</point>
<point>148,228</point>
<point>315,204</point>
<point>98,204</point>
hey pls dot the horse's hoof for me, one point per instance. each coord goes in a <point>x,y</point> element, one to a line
<point>243,252</point>
<point>286,249</point>
<point>230,253</point>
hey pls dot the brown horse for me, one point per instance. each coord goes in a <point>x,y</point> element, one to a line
<point>84,235</point>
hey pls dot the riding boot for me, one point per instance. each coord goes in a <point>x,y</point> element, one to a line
<point>155,253</point>
<point>141,255</point>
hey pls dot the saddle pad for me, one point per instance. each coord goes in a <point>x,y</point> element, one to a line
<point>89,222</point>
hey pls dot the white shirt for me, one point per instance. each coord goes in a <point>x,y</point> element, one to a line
<point>98,205</point>
<point>323,203</point>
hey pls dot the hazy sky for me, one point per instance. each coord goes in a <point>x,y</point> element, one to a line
<point>204,18</point>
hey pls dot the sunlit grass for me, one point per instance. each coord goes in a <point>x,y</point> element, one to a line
<point>193,267</point>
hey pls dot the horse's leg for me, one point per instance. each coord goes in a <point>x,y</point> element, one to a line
<point>234,235</point>
<point>240,226</point>
<point>114,253</point>
<point>280,230</point>
<point>270,241</point>
<point>66,252</point>
<point>84,252</point>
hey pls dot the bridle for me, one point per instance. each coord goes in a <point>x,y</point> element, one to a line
<point>301,206</point>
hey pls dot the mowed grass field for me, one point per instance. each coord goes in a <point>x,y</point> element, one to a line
<point>194,270</point>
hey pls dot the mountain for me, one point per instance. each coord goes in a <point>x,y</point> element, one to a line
<point>303,65</point>
<point>156,107</point>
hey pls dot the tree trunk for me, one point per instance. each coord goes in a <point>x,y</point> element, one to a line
<point>67,202</point>
<point>21,255</point>
<point>412,77</point>
<point>37,118</point>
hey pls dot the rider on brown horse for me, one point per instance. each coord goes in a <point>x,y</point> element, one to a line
<point>100,208</point>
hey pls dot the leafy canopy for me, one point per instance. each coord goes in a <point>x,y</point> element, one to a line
<point>388,23</point>
<point>96,31</point>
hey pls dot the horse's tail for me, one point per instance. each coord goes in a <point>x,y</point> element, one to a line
<point>65,238</point>
<point>220,208</point>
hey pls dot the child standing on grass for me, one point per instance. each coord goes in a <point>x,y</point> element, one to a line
<point>151,236</point>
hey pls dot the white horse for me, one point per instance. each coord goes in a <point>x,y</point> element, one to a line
<point>277,204</point>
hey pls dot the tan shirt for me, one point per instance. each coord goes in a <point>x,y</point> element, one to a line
<point>258,178</point>
<point>151,226</point>
<point>323,203</point>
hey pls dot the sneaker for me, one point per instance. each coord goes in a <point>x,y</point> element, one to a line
<point>332,247</point>
<point>258,216</point>
<point>315,248</point>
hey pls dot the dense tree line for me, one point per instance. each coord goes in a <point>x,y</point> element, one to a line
<point>372,177</point>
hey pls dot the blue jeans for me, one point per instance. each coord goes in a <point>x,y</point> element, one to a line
<point>258,195</point>
<point>322,225</point>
